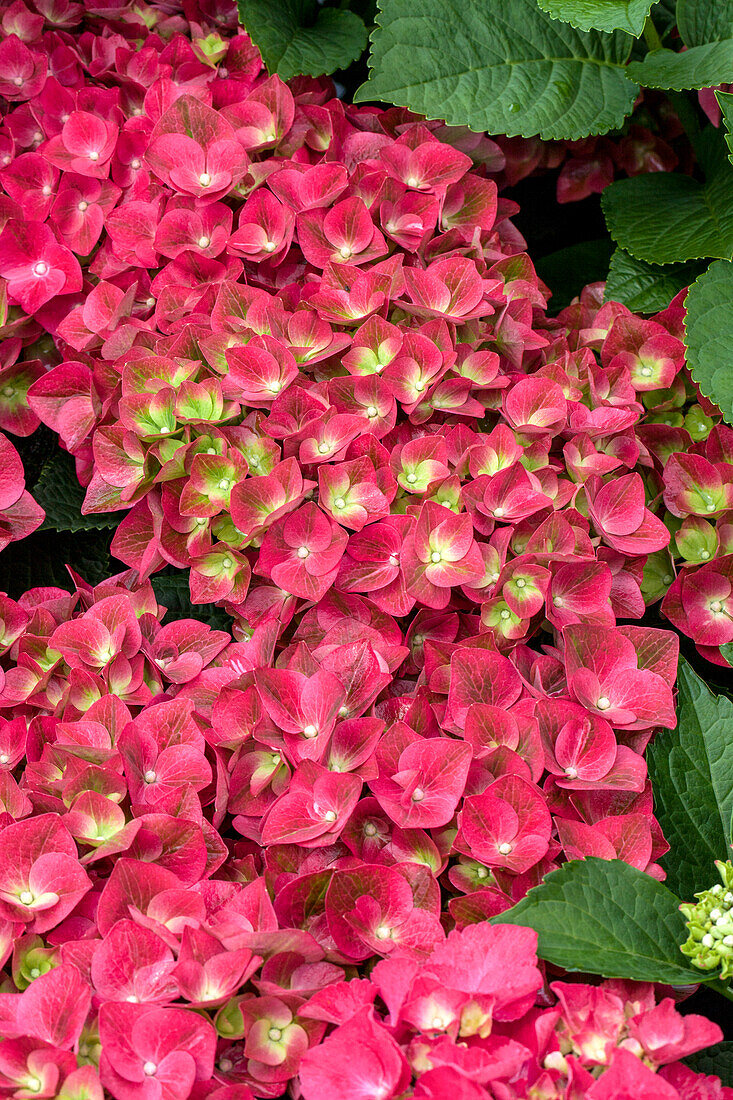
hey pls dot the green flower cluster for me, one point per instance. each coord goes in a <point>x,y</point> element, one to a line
<point>710,921</point>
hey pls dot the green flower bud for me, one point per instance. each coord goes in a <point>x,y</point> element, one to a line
<point>710,924</point>
<point>229,1021</point>
<point>698,424</point>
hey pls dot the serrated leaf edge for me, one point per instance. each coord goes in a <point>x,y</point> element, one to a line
<point>684,325</point>
<point>580,27</point>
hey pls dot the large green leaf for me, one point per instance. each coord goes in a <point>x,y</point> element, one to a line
<point>667,217</point>
<point>709,335</point>
<point>716,1061</point>
<point>691,769</point>
<point>700,21</point>
<point>299,36</point>
<point>600,15</point>
<point>499,65</point>
<point>643,287</point>
<point>606,917</point>
<point>60,495</point>
<point>698,67</point>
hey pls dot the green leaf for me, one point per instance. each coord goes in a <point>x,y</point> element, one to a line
<point>726,652</point>
<point>643,287</point>
<point>60,495</point>
<point>700,21</point>
<point>698,67</point>
<point>498,65</point>
<point>606,917</point>
<point>569,269</point>
<point>667,217</point>
<point>298,36</point>
<point>709,335</point>
<point>725,102</point>
<point>600,15</point>
<point>691,769</point>
<point>172,591</point>
<point>716,1061</point>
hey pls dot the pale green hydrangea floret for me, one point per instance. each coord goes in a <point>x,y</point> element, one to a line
<point>710,923</point>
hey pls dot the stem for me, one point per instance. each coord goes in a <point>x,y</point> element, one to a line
<point>651,35</point>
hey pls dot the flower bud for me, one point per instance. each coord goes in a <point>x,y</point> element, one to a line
<point>710,923</point>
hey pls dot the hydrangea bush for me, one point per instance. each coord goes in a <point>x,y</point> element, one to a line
<point>300,348</point>
<point>194,823</point>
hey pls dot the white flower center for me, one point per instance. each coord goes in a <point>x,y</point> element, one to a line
<point>303,551</point>
<point>26,898</point>
<point>505,849</point>
<point>418,794</point>
<point>40,269</point>
<point>204,242</point>
<point>150,776</point>
<point>275,1034</point>
<point>205,179</point>
<point>310,732</point>
<point>149,1069</point>
<point>603,703</point>
<point>94,155</point>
